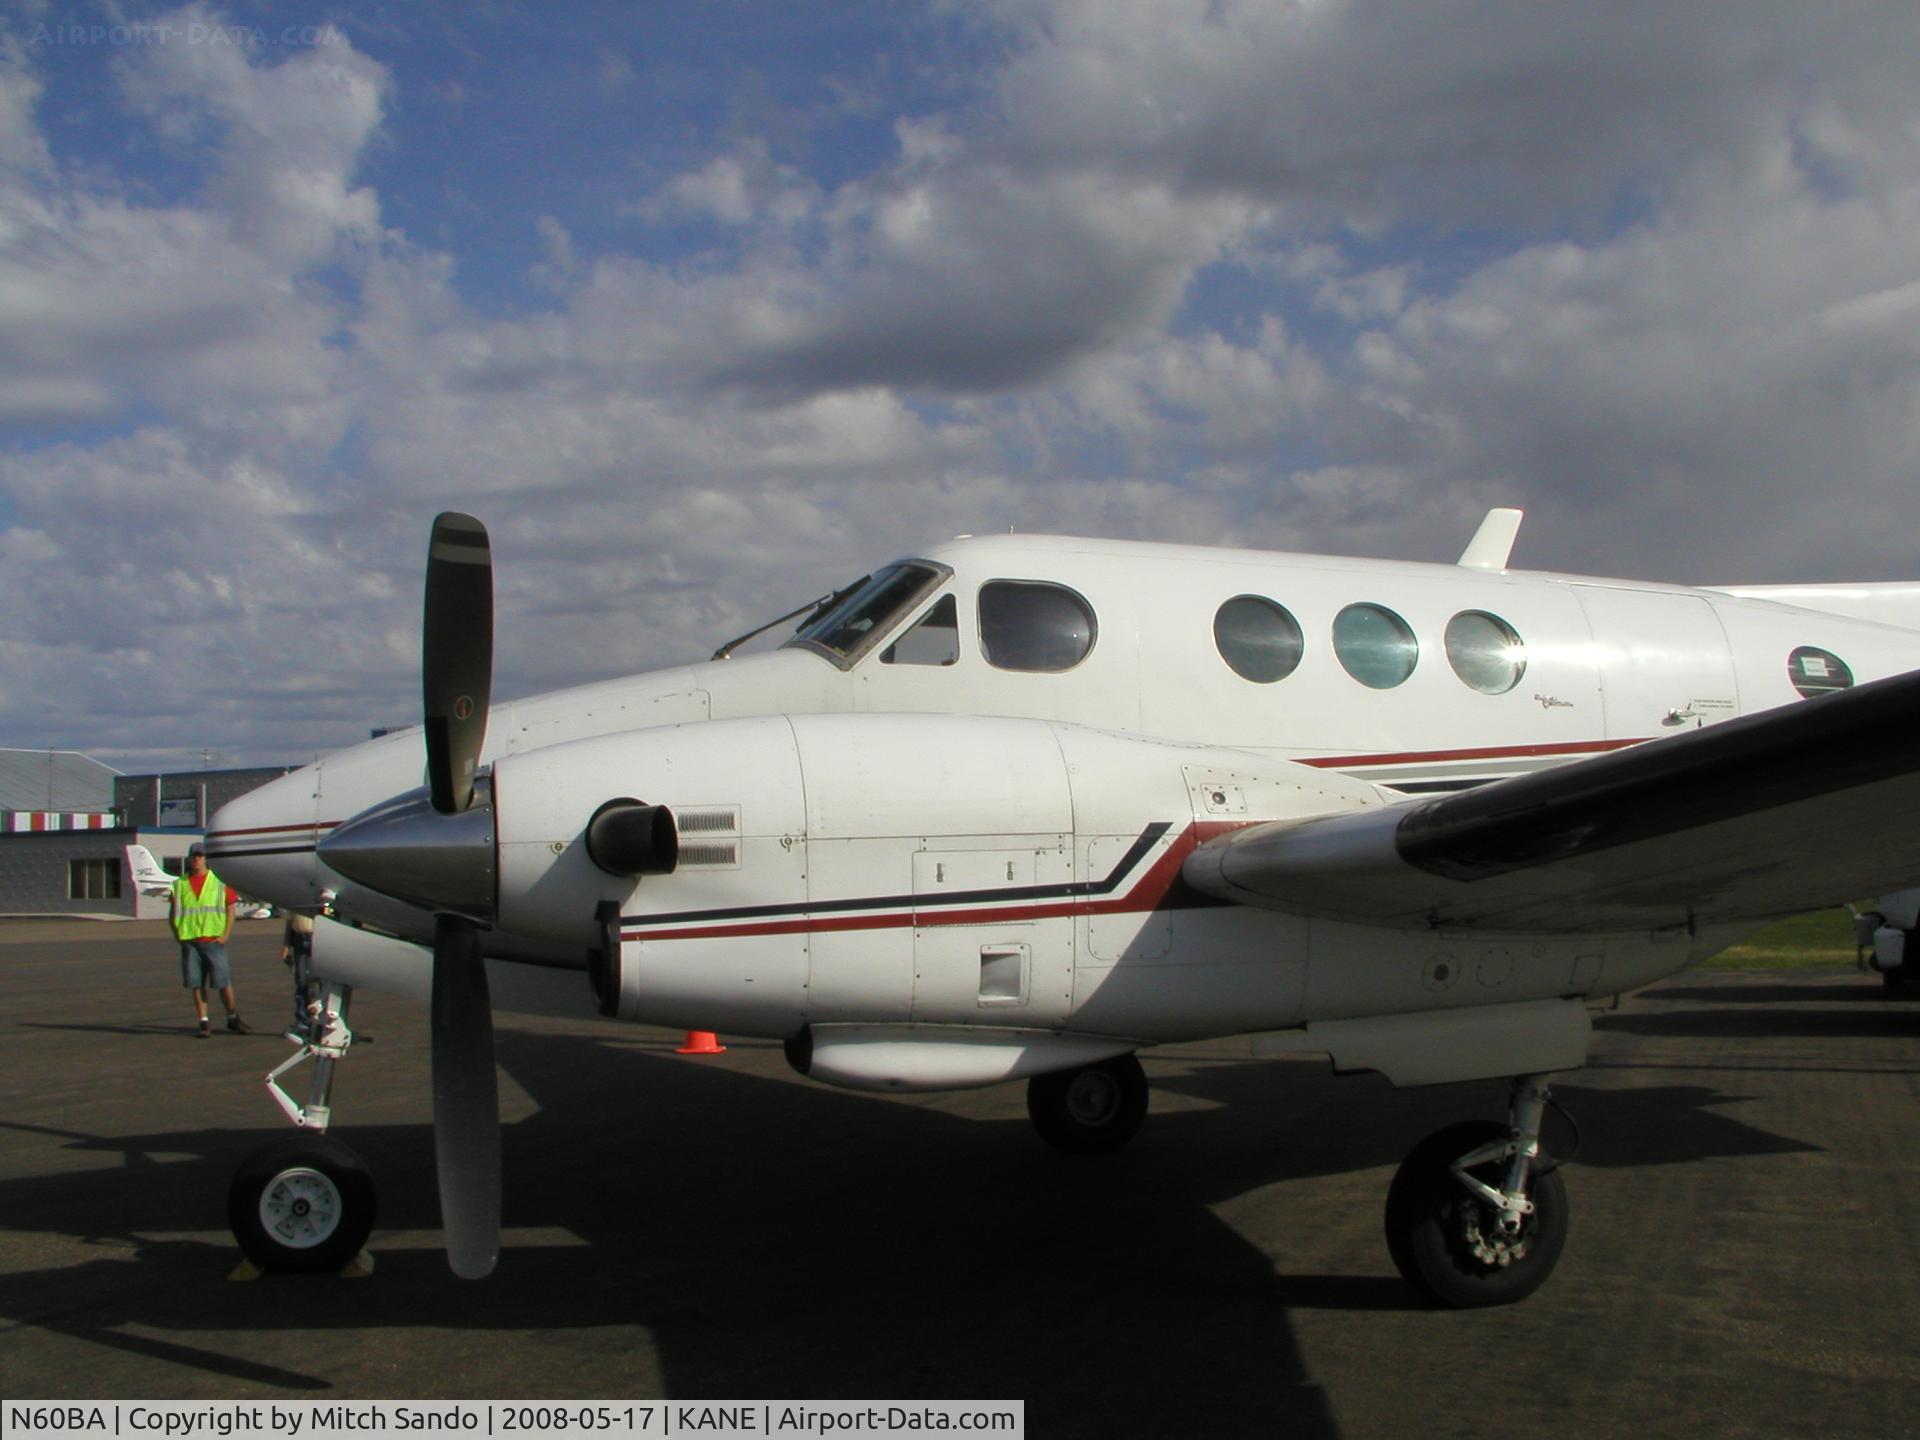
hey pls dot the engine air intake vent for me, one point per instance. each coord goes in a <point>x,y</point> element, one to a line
<point>710,820</point>
<point>709,854</point>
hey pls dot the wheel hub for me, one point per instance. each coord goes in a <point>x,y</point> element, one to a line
<point>300,1208</point>
<point>1492,1243</point>
<point>1093,1098</point>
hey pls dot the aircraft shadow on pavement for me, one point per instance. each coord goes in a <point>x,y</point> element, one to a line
<point>1861,990</point>
<point>1655,1125</point>
<point>771,1236</point>
<point>1779,1020</point>
<point>783,1238</point>
<point>168,1032</point>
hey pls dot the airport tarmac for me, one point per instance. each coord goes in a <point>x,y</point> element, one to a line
<point>1744,1260</point>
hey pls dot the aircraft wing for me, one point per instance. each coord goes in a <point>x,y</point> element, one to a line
<point>1811,804</point>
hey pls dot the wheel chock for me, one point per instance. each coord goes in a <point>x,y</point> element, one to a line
<point>358,1268</point>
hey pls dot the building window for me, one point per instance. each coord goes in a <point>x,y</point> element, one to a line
<point>1260,640</point>
<point>1816,672</point>
<point>93,879</point>
<point>1485,652</point>
<point>1375,646</point>
<point>1032,625</point>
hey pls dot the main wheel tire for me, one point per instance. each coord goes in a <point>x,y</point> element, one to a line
<point>1446,1241</point>
<point>303,1203</point>
<point>1091,1110</point>
<point>1901,979</point>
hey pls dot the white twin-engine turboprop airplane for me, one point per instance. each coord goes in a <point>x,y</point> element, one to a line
<point>1021,807</point>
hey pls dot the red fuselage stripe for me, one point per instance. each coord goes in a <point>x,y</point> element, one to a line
<point>272,830</point>
<point>1149,892</point>
<point>1491,752</point>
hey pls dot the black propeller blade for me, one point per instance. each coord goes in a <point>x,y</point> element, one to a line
<point>456,656</point>
<point>466,1100</point>
<point>456,670</point>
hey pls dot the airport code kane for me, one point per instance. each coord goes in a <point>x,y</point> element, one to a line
<point>501,1419</point>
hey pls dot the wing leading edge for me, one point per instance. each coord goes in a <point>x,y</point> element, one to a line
<point>1771,814</point>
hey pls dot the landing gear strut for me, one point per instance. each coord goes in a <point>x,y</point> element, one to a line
<point>1477,1214</point>
<point>305,1202</point>
<point>1091,1110</point>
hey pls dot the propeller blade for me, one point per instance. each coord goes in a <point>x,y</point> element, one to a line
<point>466,1100</point>
<point>456,663</point>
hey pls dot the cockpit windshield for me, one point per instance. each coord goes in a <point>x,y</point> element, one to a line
<point>869,610</point>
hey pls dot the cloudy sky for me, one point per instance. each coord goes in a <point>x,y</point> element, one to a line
<point>706,305</point>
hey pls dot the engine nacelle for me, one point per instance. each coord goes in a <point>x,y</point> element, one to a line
<point>904,870</point>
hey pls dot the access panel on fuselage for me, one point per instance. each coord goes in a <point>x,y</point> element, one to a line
<point>1663,659</point>
<point>898,935</point>
<point>992,935</point>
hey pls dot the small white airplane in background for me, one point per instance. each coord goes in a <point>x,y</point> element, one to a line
<point>1020,807</point>
<point>148,876</point>
<point>151,878</point>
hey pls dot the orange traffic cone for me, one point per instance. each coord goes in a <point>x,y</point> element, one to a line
<point>701,1042</point>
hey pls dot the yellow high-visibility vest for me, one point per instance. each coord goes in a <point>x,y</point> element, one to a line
<point>202,916</point>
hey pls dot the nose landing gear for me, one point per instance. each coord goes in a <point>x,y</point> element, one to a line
<point>305,1202</point>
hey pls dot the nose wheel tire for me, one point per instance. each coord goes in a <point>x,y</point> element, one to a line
<point>303,1203</point>
<point>1091,1110</point>
<point>1450,1244</point>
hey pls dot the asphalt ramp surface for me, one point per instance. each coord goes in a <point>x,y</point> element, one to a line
<point>1743,1260</point>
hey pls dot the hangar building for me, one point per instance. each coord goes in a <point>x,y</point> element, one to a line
<point>66,820</point>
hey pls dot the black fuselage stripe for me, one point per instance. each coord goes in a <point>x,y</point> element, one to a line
<point>1145,842</point>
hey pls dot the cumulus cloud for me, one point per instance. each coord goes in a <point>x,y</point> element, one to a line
<point>1315,275</point>
<point>742,187</point>
<point>198,306</point>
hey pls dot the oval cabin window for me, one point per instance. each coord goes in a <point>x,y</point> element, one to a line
<point>1485,652</point>
<point>1814,671</point>
<point>1033,625</point>
<point>1260,640</point>
<point>1375,646</point>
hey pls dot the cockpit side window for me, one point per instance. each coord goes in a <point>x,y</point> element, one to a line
<point>933,640</point>
<point>864,617</point>
<point>1034,625</point>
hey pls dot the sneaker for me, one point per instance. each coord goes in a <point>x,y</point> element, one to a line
<point>237,1025</point>
<point>201,1032</point>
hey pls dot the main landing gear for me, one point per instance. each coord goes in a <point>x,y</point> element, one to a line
<point>305,1202</point>
<point>1477,1213</point>
<point>1091,1110</point>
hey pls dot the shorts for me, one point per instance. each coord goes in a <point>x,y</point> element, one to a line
<point>204,958</point>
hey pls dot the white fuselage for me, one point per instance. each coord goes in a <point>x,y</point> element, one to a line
<point>964,825</point>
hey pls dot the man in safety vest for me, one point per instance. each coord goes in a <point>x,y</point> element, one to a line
<point>201,909</point>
